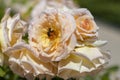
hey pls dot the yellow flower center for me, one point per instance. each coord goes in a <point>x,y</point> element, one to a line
<point>50,36</point>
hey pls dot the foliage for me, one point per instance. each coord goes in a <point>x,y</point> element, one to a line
<point>2,8</point>
<point>25,37</point>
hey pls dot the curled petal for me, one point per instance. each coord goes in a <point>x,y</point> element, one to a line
<point>4,41</point>
<point>1,59</point>
<point>97,43</point>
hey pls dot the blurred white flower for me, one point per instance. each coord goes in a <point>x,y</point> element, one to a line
<point>23,7</point>
<point>52,34</point>
<point>45,4</point>
<point>11,30</point>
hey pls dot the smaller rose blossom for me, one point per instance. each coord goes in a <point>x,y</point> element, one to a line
<point>87,30</point>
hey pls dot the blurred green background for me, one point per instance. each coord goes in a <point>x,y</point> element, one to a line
<point>107,11</point>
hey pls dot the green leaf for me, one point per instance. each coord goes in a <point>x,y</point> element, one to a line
<point>89,78</point>
<point>25,37</point>
<point>2,73</point>
<point>57,78</point>
<point>106,76</point>
<point>113,69</point>
<point>108,72</point>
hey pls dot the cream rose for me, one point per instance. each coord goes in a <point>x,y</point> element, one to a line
<point>52,35</point>
<point>87,30</point>
<point>11,30</point>
<point>81,61</point>
<point>23,62</point>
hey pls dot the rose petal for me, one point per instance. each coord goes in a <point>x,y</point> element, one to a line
<point>89,52</point>
<point>1,59</point>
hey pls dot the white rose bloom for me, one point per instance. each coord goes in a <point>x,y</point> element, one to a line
<point>52,35</point>
<point>11,30</point>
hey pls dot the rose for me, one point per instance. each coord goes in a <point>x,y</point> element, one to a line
<point>52,35</point>
<point>83,60</point>
<point>11,30</point>
<point>87,29</point>
<point>23,62</point>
